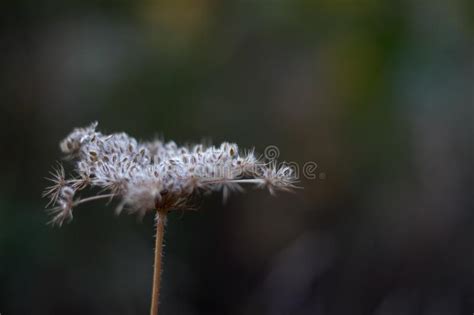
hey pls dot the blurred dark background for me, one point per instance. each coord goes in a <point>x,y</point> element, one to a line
<point>378,93</point>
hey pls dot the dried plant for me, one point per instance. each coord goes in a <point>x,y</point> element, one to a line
<point>153,177</point>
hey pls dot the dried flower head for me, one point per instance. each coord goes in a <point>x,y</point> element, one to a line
<point>145,176</point>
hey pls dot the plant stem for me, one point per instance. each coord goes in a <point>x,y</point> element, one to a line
<point>160,231</point>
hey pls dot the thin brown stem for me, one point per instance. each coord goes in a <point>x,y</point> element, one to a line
<point>78,202</point>
<point>160,231</point>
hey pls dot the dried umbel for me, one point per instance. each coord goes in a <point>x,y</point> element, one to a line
<point>146,176</point>
<point>154,176</point>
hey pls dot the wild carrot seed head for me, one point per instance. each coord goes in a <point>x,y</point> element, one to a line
<point>146,176</point>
